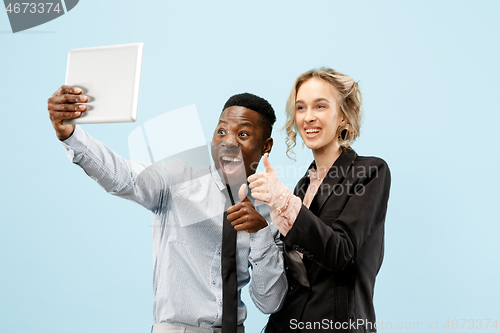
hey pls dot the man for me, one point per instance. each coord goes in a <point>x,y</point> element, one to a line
<point>187,205</point>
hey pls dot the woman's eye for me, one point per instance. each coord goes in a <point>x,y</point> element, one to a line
<point>321,106</point>
<point>300,108</point>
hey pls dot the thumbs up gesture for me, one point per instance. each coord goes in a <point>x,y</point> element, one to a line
<point>243,215</point>
<point>267,188</point>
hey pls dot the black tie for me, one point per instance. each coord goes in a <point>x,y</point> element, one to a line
<point>229,280</point>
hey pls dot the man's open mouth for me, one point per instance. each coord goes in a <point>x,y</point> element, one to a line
<point>230,164</point>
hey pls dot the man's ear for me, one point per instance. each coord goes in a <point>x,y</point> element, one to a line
<point>266,147</point>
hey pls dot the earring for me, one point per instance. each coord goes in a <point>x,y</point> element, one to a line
<point>345,134</point>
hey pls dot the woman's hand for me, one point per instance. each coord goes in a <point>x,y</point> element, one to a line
<point>267,188</point>
<point>284,206</point>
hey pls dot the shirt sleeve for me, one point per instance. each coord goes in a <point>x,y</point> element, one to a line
<point>334,246</point>
<point>268,285</point>
<point>136,181</point>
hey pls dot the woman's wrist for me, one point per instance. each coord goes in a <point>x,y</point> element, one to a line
<point>285,219</point>
<point>280,196</point>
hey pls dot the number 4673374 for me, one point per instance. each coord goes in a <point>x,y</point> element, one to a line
<point>26,7</point>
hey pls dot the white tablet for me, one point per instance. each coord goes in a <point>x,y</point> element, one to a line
<point>110,76</point>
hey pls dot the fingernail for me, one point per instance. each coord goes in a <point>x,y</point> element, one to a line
<point>77,113</point>
<point>78,90</point>
<point>81,107</point>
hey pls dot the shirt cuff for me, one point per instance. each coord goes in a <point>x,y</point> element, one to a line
<point>261,239</point>
<point>76,143</point>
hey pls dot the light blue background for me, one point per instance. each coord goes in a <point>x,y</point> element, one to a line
<point>75,259</point>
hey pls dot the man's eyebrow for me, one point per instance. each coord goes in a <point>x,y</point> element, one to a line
<point>245,123</point>
<point>321,99</point>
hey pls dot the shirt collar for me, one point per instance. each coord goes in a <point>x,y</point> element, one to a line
<point>222,186</point>
<point>216,177</point>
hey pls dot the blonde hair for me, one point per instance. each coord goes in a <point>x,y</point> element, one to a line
<point>348,99</point>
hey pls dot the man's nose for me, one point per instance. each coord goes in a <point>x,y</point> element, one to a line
<point>229,142</point>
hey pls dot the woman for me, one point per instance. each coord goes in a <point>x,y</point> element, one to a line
<point>332,226</point>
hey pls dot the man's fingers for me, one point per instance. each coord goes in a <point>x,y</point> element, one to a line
<point>240,227</point>
<point>240,220</point>
<point>236,211</point>
<point>267,164</point>
<point>65,89</point>
<point>66,107</point>
<point>249,226</point>
<point>57,115</point>
<point>68,98</point>
<point>243,208</point>
<point>245,227</point>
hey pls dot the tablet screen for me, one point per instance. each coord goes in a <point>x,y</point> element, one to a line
<point>110,76</point>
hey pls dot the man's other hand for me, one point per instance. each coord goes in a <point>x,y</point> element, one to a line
<point>243,216</point>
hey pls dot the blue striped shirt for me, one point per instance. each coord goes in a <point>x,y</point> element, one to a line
<point>187,208</point>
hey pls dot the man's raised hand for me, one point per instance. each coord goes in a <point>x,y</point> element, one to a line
<point>62,106</point>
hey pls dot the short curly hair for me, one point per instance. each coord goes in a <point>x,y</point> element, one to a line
<point>348,99</point>
<point>257,104</point>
